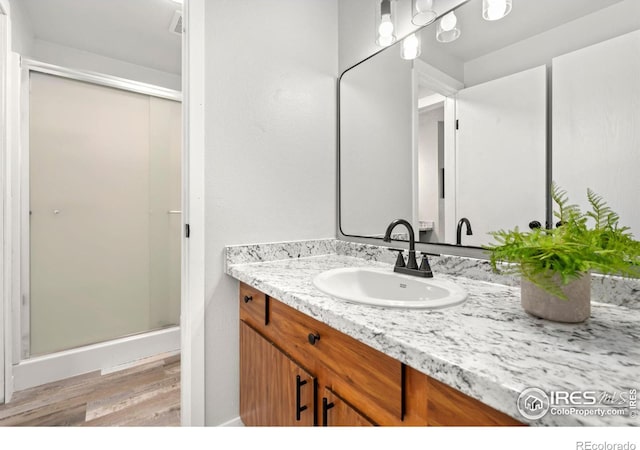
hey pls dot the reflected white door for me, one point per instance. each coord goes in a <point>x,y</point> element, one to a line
<point>501,154</point>
<point>596,123</point>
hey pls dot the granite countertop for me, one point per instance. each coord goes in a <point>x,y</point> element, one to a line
<point>487,348</point>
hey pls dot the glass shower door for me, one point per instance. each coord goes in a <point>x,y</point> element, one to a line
<point>104,193</point>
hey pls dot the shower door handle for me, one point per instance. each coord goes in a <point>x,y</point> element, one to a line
<point>174,212</point>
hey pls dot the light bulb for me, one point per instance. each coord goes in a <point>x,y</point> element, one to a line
<point>386,26</point>
<point>448,22</point>
<point>448,30</point>
<point>385,41</point>
<point>410,47</point>
<point>495,9</point>
<point>422,12</point>
<point>424,5</point>
<point>411,40</point>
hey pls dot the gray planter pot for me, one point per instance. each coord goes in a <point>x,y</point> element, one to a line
<point>540,303</point>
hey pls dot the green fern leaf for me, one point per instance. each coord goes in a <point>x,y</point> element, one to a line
<point>551,258</point>
<point>600,212</point>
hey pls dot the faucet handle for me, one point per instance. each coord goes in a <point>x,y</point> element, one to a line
<point>425,266</point>
<point>400,259</point>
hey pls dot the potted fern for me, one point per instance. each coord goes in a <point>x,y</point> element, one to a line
<point>555,264</point>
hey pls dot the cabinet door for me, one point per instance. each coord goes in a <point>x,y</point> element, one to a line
<point>274,390</point>
<point>338,413</point>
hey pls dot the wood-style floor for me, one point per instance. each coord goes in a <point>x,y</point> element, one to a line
<point>146,394</point>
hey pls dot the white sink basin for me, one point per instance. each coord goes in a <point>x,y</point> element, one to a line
<point>383,287</point>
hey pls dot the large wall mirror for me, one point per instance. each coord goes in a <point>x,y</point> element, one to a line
<point>469,135</point>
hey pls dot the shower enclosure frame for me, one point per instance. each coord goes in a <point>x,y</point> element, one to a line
<point>5,62</point>
<point>27,371</point>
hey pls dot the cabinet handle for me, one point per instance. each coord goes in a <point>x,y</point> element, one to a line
<point>313,338</point>
<point>247,298</point>
<point>299,408</point>
<point>326,406</point>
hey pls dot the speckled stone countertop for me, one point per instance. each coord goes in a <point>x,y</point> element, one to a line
<point>488,347</point>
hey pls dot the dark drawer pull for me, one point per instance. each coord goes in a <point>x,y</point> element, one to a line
<point>326,406</point>
<point>299,408</point>
<point>313,338</point>
<point>248,298</point>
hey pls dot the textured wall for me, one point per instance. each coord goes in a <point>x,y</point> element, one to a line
<point>270,118</point>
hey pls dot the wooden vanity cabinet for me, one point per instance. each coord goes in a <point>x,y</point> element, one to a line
<point>275,391</point>
<point>254,306</point>
<point>337,412</point>
<point>295,370</point>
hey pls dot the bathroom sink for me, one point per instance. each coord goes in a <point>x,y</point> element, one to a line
<point>383,287</point>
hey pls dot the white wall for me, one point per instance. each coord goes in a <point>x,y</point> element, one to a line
<point>21,30</point>
<point>78,59</point>
<point>25,43</point>
<point>376,100</point>
<point>270,121</point>
<point>435,55</point>
<point>357,26</point>
<point>607,23</point>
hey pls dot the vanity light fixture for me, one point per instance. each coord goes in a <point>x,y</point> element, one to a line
<point>495,9</point>
<point>448,30</point>
<point>411,47</point>
<point>422,12</point>
<point>385,23</point>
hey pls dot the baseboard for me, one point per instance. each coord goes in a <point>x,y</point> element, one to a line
<point>58,366</point>
<point>237,422</point>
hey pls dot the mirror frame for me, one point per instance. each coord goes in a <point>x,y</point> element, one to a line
<point>435,249</point>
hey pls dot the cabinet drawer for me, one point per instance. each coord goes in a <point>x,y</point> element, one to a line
<point>254,306</point>
<point>366,378</point>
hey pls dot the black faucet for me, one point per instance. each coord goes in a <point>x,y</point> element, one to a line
<point>411,266</point>
<point>461,222</point>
